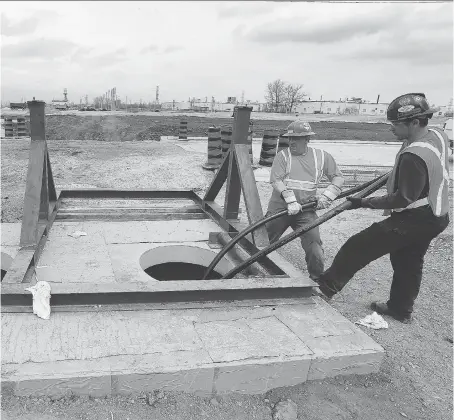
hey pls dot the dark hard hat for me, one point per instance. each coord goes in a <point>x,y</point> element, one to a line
<point>409,106</point>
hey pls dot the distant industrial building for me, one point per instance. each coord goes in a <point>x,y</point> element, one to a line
<point>341,107</point>
<point>209,106</point>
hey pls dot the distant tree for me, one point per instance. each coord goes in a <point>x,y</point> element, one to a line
<point>293,96</point>
<point>275,95</point>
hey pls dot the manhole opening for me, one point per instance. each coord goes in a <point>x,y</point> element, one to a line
<point>180,271</point>
<point>3,274</point>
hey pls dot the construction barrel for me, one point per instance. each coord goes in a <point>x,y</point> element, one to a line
<point>9,129</point>
<point>21,127</point>
<point>226,139</point>
<point>269,147</point>
<point>183,134</point>
<point>214,149</point>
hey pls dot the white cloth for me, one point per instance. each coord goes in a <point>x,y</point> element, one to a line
<point>77,234</point>
<point>374,321</point>
<point>41,299</point>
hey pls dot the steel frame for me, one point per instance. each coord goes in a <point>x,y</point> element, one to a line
<point>284,280</point>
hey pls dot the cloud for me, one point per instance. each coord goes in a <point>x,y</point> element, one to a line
<point>25,26</point>
<point>423,52</point>
<point>167,50</point>
<point>104,60</point>
<point>172,48</point>
<point>81,53</point>
<point>243,9</point>
<point>150,48</point>
<point>42,48</point>
<point>303,30</point>
<point>417,40</point>
<point>321,28</point>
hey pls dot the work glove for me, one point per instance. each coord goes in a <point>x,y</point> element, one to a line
<point>323,202</point>
<point>356,203</point>
<point>293,208</point>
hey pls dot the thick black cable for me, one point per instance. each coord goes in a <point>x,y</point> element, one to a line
<point>245,232</point>
<point>377,184</point>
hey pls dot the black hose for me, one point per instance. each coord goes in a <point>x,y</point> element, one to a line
<point>377,184</point>
<point>269,218</point>
<point>246,231</point>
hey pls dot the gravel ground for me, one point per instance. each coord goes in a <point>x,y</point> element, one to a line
<point>415,380</point>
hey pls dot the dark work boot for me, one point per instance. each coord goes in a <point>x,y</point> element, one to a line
<point>383,309</point>
<point>326,293</point>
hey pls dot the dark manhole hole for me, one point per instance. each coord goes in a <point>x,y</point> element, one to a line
<point>180,271</point>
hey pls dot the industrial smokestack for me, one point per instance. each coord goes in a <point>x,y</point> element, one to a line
<point>378,98</point>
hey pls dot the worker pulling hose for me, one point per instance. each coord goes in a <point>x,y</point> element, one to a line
<point>377,184</point>
<point>267,219</point>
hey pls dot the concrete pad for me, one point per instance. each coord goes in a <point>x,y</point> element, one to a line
<point>202,351</point>
<point>314,323</point>
<point>244,339</point>
<point>360,363</point>
<point>260,377</point>
<point>75,261</point>
<point>159,231</point>
<point>194,381</point>
<point>61,231</point>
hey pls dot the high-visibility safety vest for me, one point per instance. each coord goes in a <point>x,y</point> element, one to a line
<point>304,180</point>
<point>433,150</point>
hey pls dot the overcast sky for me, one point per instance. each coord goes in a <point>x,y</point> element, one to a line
<point>219,49</point>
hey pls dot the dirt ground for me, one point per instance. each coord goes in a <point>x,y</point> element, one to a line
<point>415,379</point>
<point>112,127</point>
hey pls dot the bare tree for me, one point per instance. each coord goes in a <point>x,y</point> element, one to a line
<point>293,95</point>
<point>275,95</point>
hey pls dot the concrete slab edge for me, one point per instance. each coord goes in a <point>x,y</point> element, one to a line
<point>245,377</point>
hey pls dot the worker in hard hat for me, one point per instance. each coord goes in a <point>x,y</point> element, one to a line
<point>417,199</point>
<point>295,175</point>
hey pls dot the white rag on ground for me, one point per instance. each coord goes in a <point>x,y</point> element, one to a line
<point>77,234</point>
<point>41,299</point>
<point>374,321</point>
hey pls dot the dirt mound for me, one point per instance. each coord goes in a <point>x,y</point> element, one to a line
<point>140,127</point>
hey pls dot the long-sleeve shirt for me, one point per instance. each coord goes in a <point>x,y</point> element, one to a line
<point>412,183</point>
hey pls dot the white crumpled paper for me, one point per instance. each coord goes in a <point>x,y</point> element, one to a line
<point>77,234</point>
<point>374,321</point>
<point>41,299</point>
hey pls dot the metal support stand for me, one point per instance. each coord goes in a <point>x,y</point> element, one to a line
<point>236,171</point>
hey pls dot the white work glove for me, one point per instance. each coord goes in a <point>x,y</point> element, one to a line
<point>323,202</point>
<point>293,208</point>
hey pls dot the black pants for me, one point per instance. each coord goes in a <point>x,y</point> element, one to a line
<point>406,237</point>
